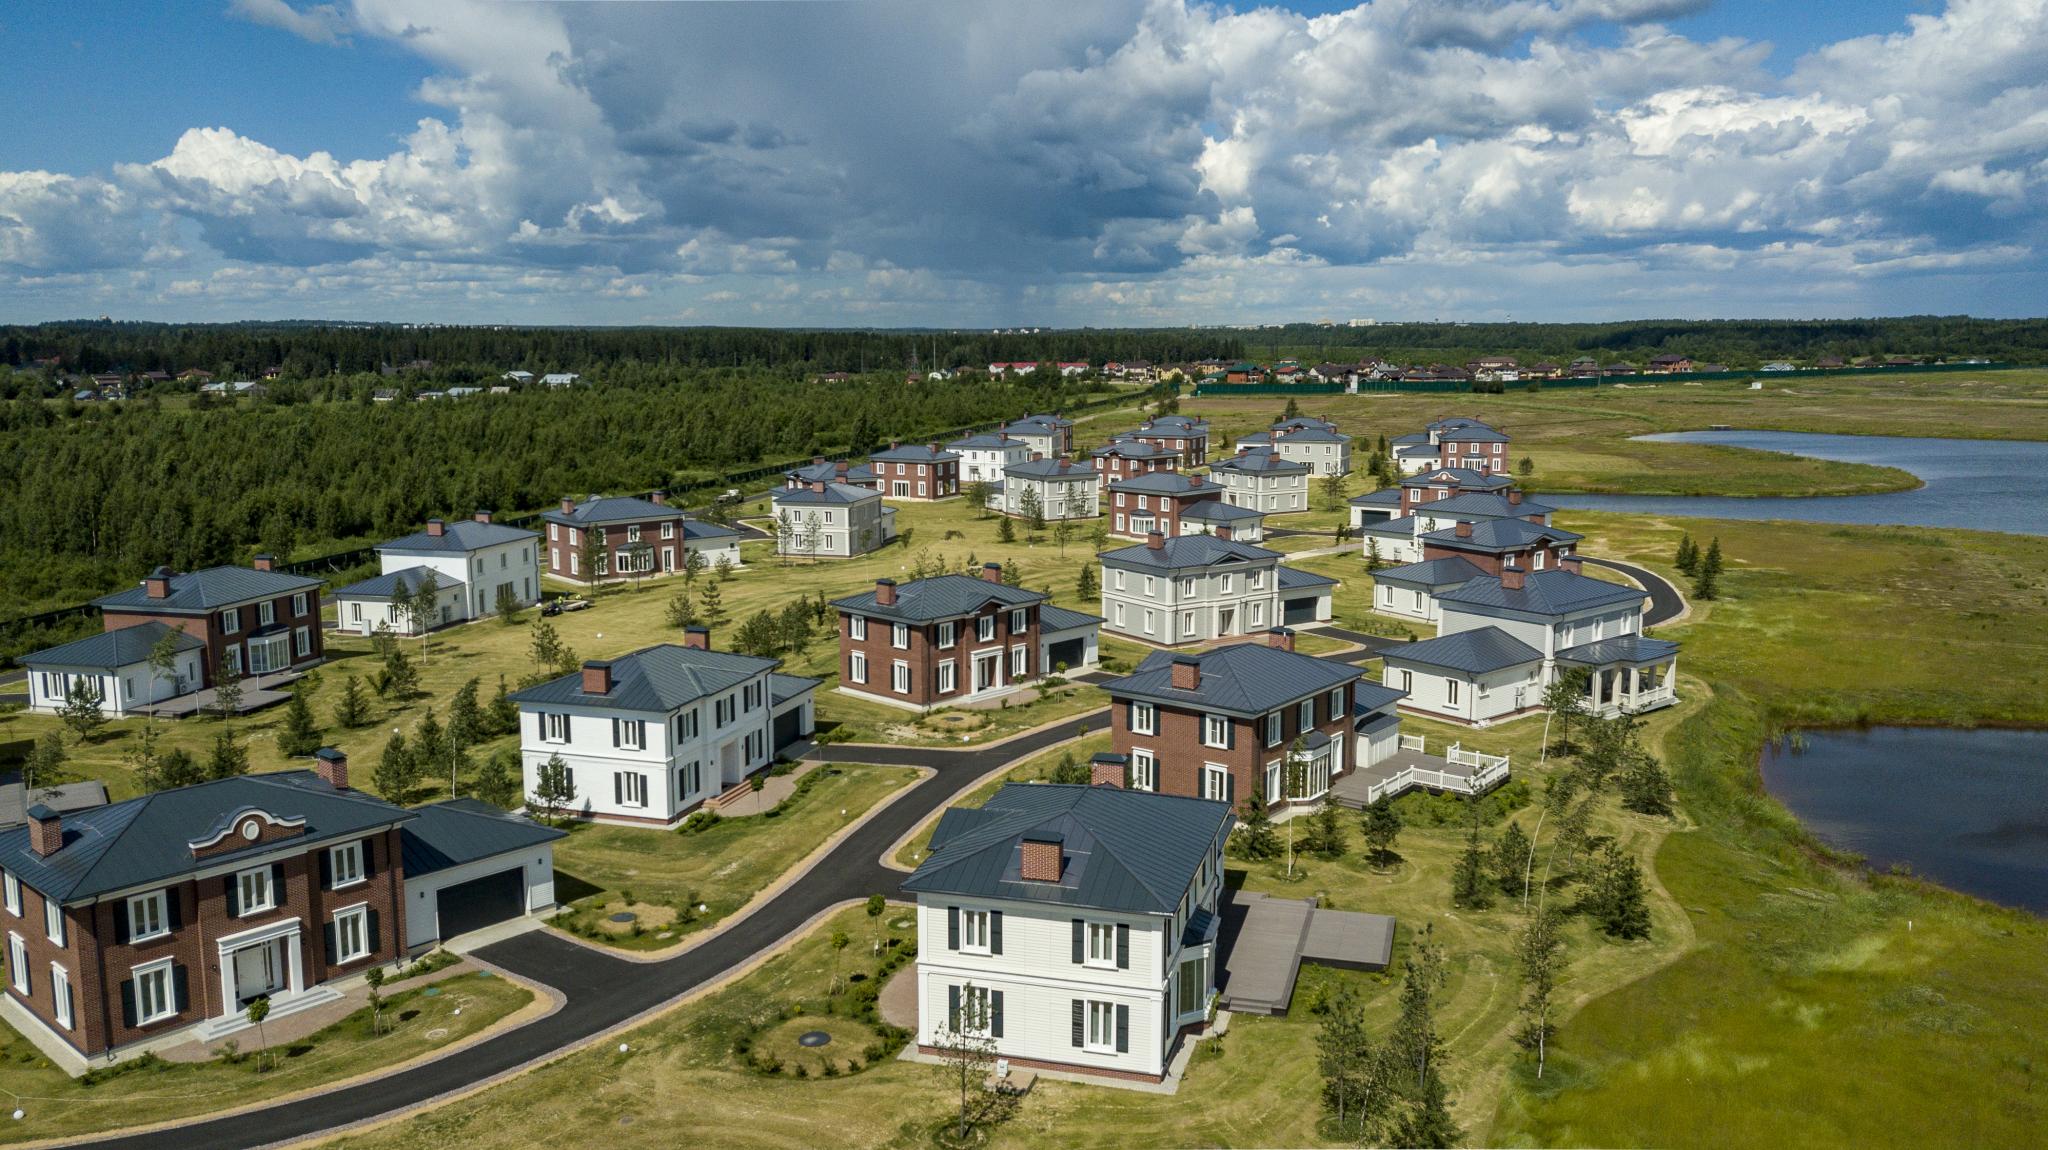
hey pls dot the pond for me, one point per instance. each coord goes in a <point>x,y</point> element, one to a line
<point>1964,808</point>
<point>1982,484</point>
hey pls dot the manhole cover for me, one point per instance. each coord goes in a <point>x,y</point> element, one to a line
<point>900,924</point>
<point>624,916</point>
<point>814,1038</point>
<point>432,992</point>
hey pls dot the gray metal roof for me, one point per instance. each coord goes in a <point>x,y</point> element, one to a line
<point>1259,460</point>
<point>699,529</point>
<point>1134,449</point>
<point>381,586</point>
<point>1401,527</point>
<point>1472,432</point>
<point>1482,505</point>
<point>209,589</point>
<point>828,471</point>
<point>110,649</point>
<point>1166,483</point>
<point>659,678</point>
<point>1430,573</point>
<point>1246,679</point>
<point>1385,496</point>
<point>912,453</point>
<point>63,798</point>
<point>1313,435</point>
<point>1501,535</point>
<point>940,597</point>
<point>1473,652</point>
<point>1301,423</point>
<point>1368,698</point>
<point>1037,425</point>
<point>1295,579</point>
<point>1457,476</point>
<point>461,535</point>
<point>1174,426</point>
<point>148,840</point>
<point>1051,618</point>
<point>1217,511</point>
<point>1417,451</point>
<point>599,509</point>
<point>457,831</point>
<point>782,688</point>
<point>1543,593</point>
<point>1184,551</point>
<point>1129,851</point>
<point>1624,649</point>
<point>987,441</point>
<point>1051,470</point>
<point>834,493</point>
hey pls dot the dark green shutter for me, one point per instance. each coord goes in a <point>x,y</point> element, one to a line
<point>327,870</point>
<point>1123,1029</point>
<point>331,933</point>
<point>1080,1023</point>
<point>375,943</point>
<point>952,928</point>
<point>174,907</point>
<point>1229,733</point>
<point>234,896</point>
<point>1123,946</point>
<point>181,996</point>
<point>995,932</point>
<point>121,927</point>
<point>953,1009</point>
<point>128,1003</point>
<point>995,1014</point>
<point>1080,942</point>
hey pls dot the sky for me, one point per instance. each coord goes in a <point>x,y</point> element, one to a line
<point>969,163</point>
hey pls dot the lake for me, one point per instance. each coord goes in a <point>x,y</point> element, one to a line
<point>1982,484</point>
<point>1964,808</point>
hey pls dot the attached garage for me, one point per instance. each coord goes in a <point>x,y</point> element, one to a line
<point>469,865</point>
<point>1298,612</point>
<point>1067,638</point>
<point>1067,651</point>
<point>789,702</point>
<point>1304,597</point>
<point>481,902</point>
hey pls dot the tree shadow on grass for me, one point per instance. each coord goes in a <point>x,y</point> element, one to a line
<point>569,888</point>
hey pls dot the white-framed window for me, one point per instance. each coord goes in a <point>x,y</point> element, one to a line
<point>857,667</point>
<point>1215,730</point>
<point>1119,579</point>
<point>668,529</point>
<point>857,626</point>
<point>985,628</point>
<point>554,532</point>
<point>231,621</point>
<point>1020,661</point>
<point>60,994</point>
<point>1020,621</point>
<point>1101,944</point>
<point>633,534</point>
<point>1117,610</point>
<point>946,634</point>
<point>1274,780</point>
<point>1408,681</point>
<point>974,931</point>
<point>299,603</point>
<point>554,727</point>
<point>1144,771</point>
<point>1336,702</point>
<point>345,865</point>
<point>266,613</point>
<point>13,893</point>
<point>17,963</point>
<point>1187,587</point>
<point>1144,504</point>
<point>351,934</point>
<point>1150,618</point>
<point>1227,583</point>
<point>1255,613</point>
<point>899,636</point>
<point>1144,719</point>
<point>1187,624</point>
<point>1256,580</point>
<point>686,725</point>
<point>1273,729</point>
<point>632,734</point>
<point>1451,692</point>
<point>303,641</point>
<point>1101,1036</point>
<point>632,789</point>
<point>1149,582</point>
<point>256,891</point>
<point>148,916</point>
<point>949,677</point>
<point>1216,782</point>
<point>899,677</point>
<point>154,1001</point>
<point>1307,717</point>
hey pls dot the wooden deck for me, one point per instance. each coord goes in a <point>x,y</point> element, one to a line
<point>1464,772</point>
<point>1265,940</point>
<point>258,692</point>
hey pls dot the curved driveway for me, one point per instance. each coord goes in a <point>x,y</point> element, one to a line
<point>1666,603</point>
<point>602,990</point>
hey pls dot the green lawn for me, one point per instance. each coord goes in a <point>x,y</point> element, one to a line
<point>667,874</point>
<point>139,1093</point>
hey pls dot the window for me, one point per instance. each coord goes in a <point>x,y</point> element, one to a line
<point>255,890</point>
<point>691,778</point>
<point>1020,621</point>
<point>13,891</point>
<point>1273,782</point>
<point>899,677</point>
<point>985,628</point>
<point>1148,586</point>
<point>1216,782</point>
<point>1215,731</point>
<point>17,962</point>
<point>668,530</point>
<point>1020,661</point>
<point>303,641</point>
<point>345,865</point>
<point>1255,613</point>
<point>857,667</point>
<point>899,636</point>
<point>266,613</point>
<point>1226,583</point>
<point>231,621</point>
<point>554,532</point>
<point>1187,624</point>
<point>153,1000</point>
<point>974,931</point>
<point>60,995</point>
<point>946,638</point>
<point>1408,681</point>
<point>1307,718</point>
<point>299,603</point>
<point>632,733</point>
<point>633,534</point>
<point>857,626</point>
<point>1102,944</point>
<point>686,725</point>
<point>1273,729</point>
<point>949,677</point>
<point>148,917</point>
<point>1119,580</point>
<point>1149,618</point>
<point>1144,771</point>
<point>1143,505</point>
<point>1101,1027</point>
<point>1144,719</point>
<point>1451,692</point>
<point>631,789</point>
<point>1117,610</point>
<point>1187,588</point>
<point>554,727</point>
<point>53,921</point>
<point>351,934</point>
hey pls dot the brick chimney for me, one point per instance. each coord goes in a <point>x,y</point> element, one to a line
<point>157,585</point>
<point>1223,531</point>
<point>597,677</point>
<point>839,468</point>
<point>45,830</point>
<point>697,638</point>
<point>435,529</point>
<point>1066,464</point>
<point>934,446</point>
<point>482,516</point>
<point>1155,541</point>
<point>992,572</point>
<point>1041,855</point>
<point>894,444</point>
<point>1037,455</point>
<point>1186,673</point>
<point>1108,769</point>
<point>818,486</point>
<point>332,767</point>
<point>1514,497</point>
<point>264,562</point>
<point>1464,530</point>
<point>817,459</point>
<point>1511,578</point>
<point>885,592</point>
<point>660,498</point>
<point>1280,638</point>
<point>568,504</point>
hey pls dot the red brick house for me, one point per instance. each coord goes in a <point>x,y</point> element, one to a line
<point>954,638</point>
<point>922,471</point>
<point>1156,502</point>
<point>627,535</point>
<point>258,619</point>
<point>1219,724</point>
<point>1185,437</point>
<point>1124,458</point>
<point>1491,545</point>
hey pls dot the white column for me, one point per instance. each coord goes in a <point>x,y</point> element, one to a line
<point>227,983</point>
<point>296,979</point>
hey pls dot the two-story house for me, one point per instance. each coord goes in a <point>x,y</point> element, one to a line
<point>1465,552</point>
<point>616,537</point>
<point>1074,927</point>
<point>1156,502</point>
<point>647,737</point>
<point>917,471</point>
<point>256,620</point>
<point>984,457</point>
<point>1472,445</point>
<point>1183,435</point>
<point>1501,640</point>
<point>1437,501</point>
<point>954,639</point>
<point>1221,723</point>
<point>475,563</point>
<point>1059,488</point>
<point>822,470</point>
<point>115,667</point>
<point>1049,435</point>
<point>826,520</point>
<point>1123,458</point>
<point>1194,588</point>
<point>1263,480</point>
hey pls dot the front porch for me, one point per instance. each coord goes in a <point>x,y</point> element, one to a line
<point>262,962</point>
<point>1626,676</point>
<point>258,692</point>
<point>1458,771</point>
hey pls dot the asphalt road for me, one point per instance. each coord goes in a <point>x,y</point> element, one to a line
<point>602,991</point>
<point>1666,603</point>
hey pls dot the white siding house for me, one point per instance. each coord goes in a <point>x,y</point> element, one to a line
<point>115,667</point>
<point>473,561</point>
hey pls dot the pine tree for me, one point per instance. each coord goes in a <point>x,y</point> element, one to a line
<point>549,654</point>
<point>1326,833</point>
<point>467,725</point>
<point>722,568</point>
<point>1469,877</point>
<point>81,710</point>
<point>713,604</point>
<point>1645,788</point>
<point>497,782</point>
<point>1382,826</point>
<point>1707,587</point>
<point>301,735</point>
<point>1012,576</point>
<point>1688,557</point>
<point>45,764</point>
<point>681,611</point>
<point>352,710</point>
<point>397,775</point>
<point>177,768</point>
<point>1255,838</point>
<point>553,788</point>
<point>1712,562</point>
<point>229,758</point>
<point>1354,1093</point>
<point>227,689</point>
<point>504,713</point>
<point>430,741</point>
<point>1086,587</point>
<point>507,604</point>
<point>759,635</point>
<point>1617,901</point>
<point>1415,1049</point>
<point>1006,531</point>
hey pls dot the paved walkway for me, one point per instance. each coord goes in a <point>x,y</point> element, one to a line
<point>603,990</point>
<point>1666,603</point>
<point>1352,787</point>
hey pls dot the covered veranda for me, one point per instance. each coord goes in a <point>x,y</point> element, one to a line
<point>1627,675</point>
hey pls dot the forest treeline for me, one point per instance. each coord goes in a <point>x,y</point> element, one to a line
<point>93,495</point>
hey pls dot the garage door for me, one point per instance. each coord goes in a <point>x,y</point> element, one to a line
<point>1068,651</point>
<point>1298,611</point>
<point>480,902</point>
<point>789,727</point>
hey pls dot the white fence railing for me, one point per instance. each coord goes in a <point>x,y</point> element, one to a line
<point>1644,700</point>
<point>1413,743</point>
<point>1487,772</point>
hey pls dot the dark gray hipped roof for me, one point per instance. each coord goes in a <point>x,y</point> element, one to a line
<point>1134,449</point>
<point>912,453</point>
<point>1471,652</point>
<point>659,678</point>
<point>699,529</point>
<point>1050,471</point>
<point>1217,511</point>
<point>457,831</point>
<point>64,798</point>
<point>834,494</point>
<point>381,586</point>
<point>1313,435</point>
<point>1622,649</point>
<point>1544,593</point>
<point>1259,461</point>
<point>1295,579</point>
<point>1167,483</point>
<point>124,647</point>
<point>1246,679</point>
<point>940,597</point>
<point>1466,431</point>
<point>208,589</point>
<point>1302,423</point>
<point>598,509</point>
<point>1463,477</point>
<point>1430,574</point>
<point>461,535</point>
<point>1481,505</point>
<point>1051,618</point>
<point>1400,527</point>
<point>1184,551</point>
<point>987,441</point>
<point>782,688</point>
<point>1501,535</point>
<point>1130,851</point>
<point>828,472</point>
<point>1037,425</point>
<point>1384,497</point>
<point>1368,697</point>
<point>1173,426</point>
<point>148,840</point>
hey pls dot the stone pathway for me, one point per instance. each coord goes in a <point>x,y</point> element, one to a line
<point>898,1000</point>
<point>294,1027</point>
